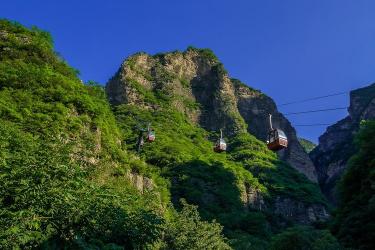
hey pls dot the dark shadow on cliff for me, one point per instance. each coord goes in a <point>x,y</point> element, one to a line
<point>213,188</point>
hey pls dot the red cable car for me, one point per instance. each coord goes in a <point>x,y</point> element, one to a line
<point>276,139</point>
<point>151,136</point>
<point>220,145</point>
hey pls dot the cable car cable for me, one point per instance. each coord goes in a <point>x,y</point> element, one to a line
<point>312,125</point>
<point>313,98</point>
<point>314,111</point>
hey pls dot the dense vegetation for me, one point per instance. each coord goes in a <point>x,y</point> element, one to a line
<point>355,219</point>
<point>66,158</point>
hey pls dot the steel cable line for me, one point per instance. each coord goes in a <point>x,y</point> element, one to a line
<point>313,98</point>
<point>312,125</point>
<point>314,111</point>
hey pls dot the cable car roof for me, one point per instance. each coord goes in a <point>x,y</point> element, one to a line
<point>281,133</point>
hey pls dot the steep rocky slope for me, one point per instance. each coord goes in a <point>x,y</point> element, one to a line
<point>207,96</point>
<point>336,144</point>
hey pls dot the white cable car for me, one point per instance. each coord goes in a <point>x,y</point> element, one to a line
<point>220,145</point>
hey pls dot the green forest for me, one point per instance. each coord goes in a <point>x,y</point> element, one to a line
<point>71,176</point>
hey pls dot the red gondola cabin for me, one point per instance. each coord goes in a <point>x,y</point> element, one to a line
<point>277,140</point>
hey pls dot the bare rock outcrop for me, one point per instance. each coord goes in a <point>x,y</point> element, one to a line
<point>297,211</point>
<point>140,182</point>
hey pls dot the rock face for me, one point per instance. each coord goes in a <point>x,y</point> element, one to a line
<point>293,210</point>
<point>196,76</point>
<point>190,77</point>
<point>336,144</point>
<point>141,183</point>
<point>299,211</point>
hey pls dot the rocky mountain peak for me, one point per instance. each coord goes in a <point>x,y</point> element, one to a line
<point>362,103</point>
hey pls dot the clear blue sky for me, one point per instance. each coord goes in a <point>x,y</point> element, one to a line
<point>289,49</point>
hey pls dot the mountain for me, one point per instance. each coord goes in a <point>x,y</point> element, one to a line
<point>72,178</point>
<point>336,144</point>
<point>187,97</point>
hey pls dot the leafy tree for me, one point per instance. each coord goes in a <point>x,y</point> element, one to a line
<point>187,231</point>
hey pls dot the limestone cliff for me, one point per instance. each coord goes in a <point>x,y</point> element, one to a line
<point>336,144</point>
<point>202,89</point>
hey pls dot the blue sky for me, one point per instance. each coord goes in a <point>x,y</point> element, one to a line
<point>289,49</point>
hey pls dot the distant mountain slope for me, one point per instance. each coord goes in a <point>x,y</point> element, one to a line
<point>336,144</point>
<point>307,145</point>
